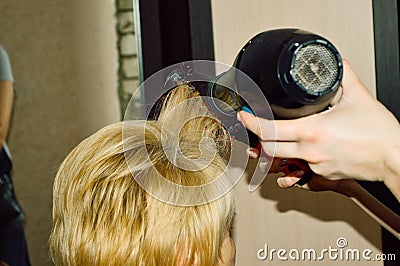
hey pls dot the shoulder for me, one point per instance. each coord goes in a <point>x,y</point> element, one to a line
<point>5,66</point>
<point>3,53</point>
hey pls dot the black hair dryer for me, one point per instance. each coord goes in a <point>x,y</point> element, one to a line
<point>298,72</point>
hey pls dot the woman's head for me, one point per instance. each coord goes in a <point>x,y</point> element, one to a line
<point>101,215</point>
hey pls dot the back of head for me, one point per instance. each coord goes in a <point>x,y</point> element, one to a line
<point>102,211</point>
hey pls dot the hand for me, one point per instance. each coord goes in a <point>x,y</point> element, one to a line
<point>357,138</point>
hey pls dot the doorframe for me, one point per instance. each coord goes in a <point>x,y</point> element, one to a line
<point>171,33</point>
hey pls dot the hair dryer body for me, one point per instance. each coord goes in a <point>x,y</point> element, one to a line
<point>298,72</point>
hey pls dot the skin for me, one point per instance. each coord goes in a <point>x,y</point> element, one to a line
<point>358,138</point>
<point>228,252</point>
<point>6,103</point>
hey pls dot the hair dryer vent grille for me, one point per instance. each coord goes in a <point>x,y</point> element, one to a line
<point>315,68</point>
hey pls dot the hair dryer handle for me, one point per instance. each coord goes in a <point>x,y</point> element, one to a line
<point>297,165</point>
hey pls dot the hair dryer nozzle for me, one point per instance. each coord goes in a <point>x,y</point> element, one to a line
<point>299,72</point>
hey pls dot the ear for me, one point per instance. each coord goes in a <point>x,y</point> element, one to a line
<point>227,254</point>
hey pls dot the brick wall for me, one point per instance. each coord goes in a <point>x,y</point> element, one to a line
<point>128,72</point>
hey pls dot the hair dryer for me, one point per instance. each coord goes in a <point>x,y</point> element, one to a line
<point>298,72</point>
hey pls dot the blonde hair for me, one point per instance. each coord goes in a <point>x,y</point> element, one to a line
<point>102,216</point>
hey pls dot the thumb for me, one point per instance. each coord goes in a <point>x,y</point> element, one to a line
<point>352,86</point>
<point>349,76</point>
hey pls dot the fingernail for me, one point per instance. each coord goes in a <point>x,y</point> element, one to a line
<point>281,182</point>
<point>286,182</point>
<point>252,154</point>
<point>283,163</point>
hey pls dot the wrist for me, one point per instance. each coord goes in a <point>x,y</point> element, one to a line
<point>392,164</point>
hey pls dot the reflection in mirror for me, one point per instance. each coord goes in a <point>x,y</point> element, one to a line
<point>74,66</point>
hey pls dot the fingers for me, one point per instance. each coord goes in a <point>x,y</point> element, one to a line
<point>282,149</point>
<point>337,98</point>
<point>290,180</point>
<point>284,144</point>
<point>253,153</point>
<point>256,125</point>
<point>287,181</point>
<point>268,130</point>
<point>349,76</point>
<point>351,85</point>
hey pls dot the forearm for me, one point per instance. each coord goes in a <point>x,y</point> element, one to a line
<point>392,159</point>
<point>6,105</point>
<point>392,163</point>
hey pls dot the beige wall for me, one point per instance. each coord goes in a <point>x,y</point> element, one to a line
<point>346,23</point>
<point>296,218</point>
<point>64,61</point>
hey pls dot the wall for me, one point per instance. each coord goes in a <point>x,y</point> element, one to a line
<point>128,71</point>
<point>347,24</point>
<point>63,55</point>
<point>296,218</point>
